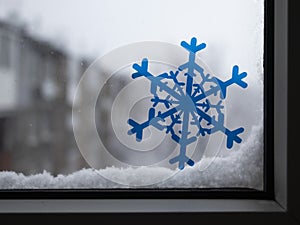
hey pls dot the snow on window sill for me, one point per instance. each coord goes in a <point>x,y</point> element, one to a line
<point>241,169</point>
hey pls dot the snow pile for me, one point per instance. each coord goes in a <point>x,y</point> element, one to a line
<point>243,168</point>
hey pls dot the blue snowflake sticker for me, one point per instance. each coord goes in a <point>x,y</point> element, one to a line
<point>187,103</point>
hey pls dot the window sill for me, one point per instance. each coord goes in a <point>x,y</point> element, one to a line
<point>138,206</point>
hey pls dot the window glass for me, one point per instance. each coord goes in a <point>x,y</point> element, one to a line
<point>118,94</point>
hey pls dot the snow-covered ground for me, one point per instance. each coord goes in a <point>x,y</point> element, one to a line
<point>242,168</point>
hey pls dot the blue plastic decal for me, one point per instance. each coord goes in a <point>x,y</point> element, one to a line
<point>187,103</point>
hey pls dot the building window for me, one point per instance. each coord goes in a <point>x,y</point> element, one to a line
<point>169,99</point>
<point>5,50</point>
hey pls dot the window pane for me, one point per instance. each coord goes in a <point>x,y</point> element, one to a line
<point>110,94</point>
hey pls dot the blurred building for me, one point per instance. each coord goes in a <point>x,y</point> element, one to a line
<point>37,84</point>
<point>35,114</point>
<point>98,156</point>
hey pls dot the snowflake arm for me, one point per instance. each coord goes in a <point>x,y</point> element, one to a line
<point>142,70</point>
<point>232,136</point>
<point>197,122</point>
<point>157,100</point>
<point>152,120</point>
<point>223,85</point>
<point>184,142</point>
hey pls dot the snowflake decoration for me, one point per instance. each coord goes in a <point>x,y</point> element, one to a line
<point>187,103</point>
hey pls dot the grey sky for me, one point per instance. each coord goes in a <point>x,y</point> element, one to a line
<point>92,27</point>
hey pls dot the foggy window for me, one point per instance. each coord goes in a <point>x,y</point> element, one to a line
<point>167,96</point>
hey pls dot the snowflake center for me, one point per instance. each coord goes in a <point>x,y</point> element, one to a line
<point>187,104</point>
